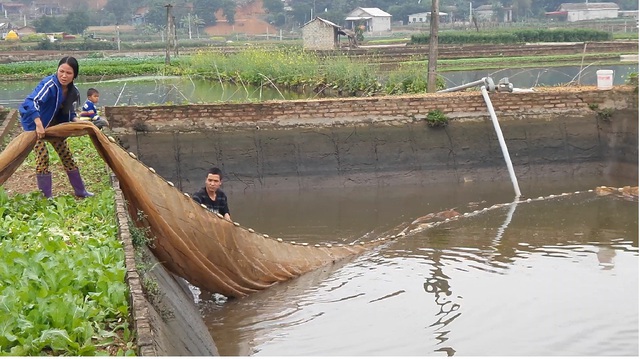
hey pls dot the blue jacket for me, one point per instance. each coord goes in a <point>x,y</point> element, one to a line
<point>47,103</point>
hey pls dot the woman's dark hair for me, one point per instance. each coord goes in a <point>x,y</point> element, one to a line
<point>71,61</point>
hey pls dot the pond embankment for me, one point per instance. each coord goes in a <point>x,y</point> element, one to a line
<point>386,140</point>
<point>385,54</point>
<point>551,132</point>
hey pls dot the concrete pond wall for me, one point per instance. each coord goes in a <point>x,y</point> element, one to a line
<point>386,140</point>
<point>362,141</point>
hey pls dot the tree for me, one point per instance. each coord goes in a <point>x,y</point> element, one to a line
<point>627,4</point>
<point>229,10</point>
<point>122,9</point>
<point>520,8</point>
<point>49,24</point>
<point>77,21</point>
<point>207,9</point>
<point>273,6</point>
<point>157,14</point>
<point>198,22</point>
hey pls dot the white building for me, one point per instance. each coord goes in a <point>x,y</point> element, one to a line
<point>423,17</point>
<point>493,13</point>
<point>374,19</point>
<point>586,11</point>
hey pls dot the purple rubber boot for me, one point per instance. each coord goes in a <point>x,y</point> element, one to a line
<point>78,184</point>
<point>44,184</point>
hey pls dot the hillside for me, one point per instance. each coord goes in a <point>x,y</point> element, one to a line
<point>249,20</point>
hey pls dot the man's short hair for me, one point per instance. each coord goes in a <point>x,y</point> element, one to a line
<point>92,91</point>
<point>214,171</point>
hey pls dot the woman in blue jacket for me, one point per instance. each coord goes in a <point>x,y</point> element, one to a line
<point>52,103</point>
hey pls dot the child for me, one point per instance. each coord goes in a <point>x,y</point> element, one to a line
<point>89,111</point>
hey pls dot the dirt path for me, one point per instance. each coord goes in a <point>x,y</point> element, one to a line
<point>23,180</point>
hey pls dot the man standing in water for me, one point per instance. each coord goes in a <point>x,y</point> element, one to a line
<point>211,196</point>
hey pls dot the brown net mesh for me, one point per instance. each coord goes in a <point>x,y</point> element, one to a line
<point>210,252</point>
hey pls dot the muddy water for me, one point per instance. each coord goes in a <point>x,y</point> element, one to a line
<point>553,277</point>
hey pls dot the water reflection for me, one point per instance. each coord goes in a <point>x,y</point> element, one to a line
<point>447,309</point>
<point>526,279</point>
<point>146,90</point>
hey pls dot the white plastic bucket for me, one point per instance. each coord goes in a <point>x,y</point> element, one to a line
<point>605,79</point>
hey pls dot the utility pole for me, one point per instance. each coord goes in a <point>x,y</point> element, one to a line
<point>175,35</point>
<point>167,56</point>
<point>432,74</point>
<point>118,35</point>
<point>189,17</point>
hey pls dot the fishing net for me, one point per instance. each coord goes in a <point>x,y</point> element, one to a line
<point>210,252</point>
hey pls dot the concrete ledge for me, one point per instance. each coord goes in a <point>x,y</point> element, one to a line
<point>165,318</point>
<point>139,310</point>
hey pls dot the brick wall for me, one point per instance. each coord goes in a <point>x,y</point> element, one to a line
<point>458,106</point>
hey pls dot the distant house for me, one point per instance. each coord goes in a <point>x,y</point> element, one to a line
<point>4,28</point>
<point>585,11</point>
<point>139,14</point>
<point>373,19</point>
<point>26,30</point>
<point>320,34</point>
<point>423,17</point>
<point>491,13</point>
<point>484,12</point>
<point>11,8</point>
<point>48,8</point>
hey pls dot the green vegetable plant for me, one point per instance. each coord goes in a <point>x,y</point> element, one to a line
<point>62,288</point>
<point>436,118</point>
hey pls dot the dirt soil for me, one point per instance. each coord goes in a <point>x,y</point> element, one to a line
<point>23,180</point>
<point>248,20</point>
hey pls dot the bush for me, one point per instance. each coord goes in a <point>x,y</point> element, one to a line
<point>514,37</point>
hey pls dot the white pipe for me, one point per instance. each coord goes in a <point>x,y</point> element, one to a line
<point>503,145</point>
<point>482,81</point>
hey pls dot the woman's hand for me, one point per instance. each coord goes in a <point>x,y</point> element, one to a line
<point>39,129</point>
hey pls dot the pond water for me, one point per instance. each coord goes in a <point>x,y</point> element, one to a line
<point>153,90</point>
<point>543,76</point>
<point>555,277</point>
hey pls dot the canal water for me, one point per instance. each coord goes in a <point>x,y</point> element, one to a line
<point>147,90</point>
<point>552,277</point>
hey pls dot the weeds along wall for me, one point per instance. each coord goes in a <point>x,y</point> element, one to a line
<point>385,140</point>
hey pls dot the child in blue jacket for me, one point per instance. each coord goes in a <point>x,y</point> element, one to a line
<point>89,110</point>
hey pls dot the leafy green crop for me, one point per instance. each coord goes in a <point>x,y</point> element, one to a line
<point>62,287</point>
